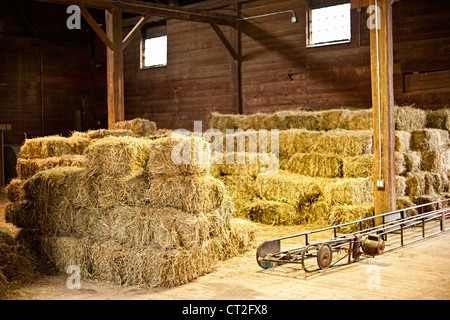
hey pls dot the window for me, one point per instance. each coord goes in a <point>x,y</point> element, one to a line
<point>154,46</point>
<point>329,24</point>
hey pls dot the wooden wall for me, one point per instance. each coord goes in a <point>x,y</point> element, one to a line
<point>47,72</point>
<point>278,70</point>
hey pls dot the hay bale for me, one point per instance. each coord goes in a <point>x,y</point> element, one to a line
<point>435,160</point>
<point>178,155</point>
<point>22,214</point>
<point>358,166</point>
<point>14,190</point>
<point>425,199</point>
<point>402,141</point>
<point>103,133</point>
<point>439,119</point>
<point>244,163</point>
<point>140,127</point>
<point>287,187</point>
<point>26,168</point>
<point>413,161</point>
<point>79,141</point>
<point>399,163</point>
<point>118,155</point>
<point>429,139</point>
<point>349,191</point>
<point>271,212</point>
<point>415,183</point>
<point>404,203</point>
<point>408,118</point>
<point>129,265</point>
<point>46,188</point>
<point>344,142</point>
<point>194,194</point>
<point>347,213</point>
<point>315,165</point>
<point>341,142</point>
<point>16,265</point>
<point>400,186</point>
<point>226,121</point>
<point>45,147</point>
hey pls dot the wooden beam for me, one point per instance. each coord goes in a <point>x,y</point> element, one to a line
<point>135,30</point>
<point>94,25</point>
<point>381,57</point>
<point>236,63</point>
<point>114,67</point>
<point>225,41</point>
<point>143,7</point>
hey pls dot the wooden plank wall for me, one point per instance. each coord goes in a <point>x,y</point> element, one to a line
<point>278,71</point>
<point>195,81</point>
<point>65,60</point>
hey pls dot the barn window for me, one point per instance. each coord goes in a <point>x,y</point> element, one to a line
<point>154,46</point>
<point>329,22</point>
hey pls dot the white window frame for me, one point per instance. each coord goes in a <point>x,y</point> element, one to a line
<point>331,41</point>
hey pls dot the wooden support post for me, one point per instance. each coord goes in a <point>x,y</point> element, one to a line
<point>114,62</point>
<point>381,55</point>
<point>236,64</point>
<point>3,127</point>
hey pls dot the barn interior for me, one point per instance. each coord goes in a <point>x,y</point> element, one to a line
<point>317,112</point>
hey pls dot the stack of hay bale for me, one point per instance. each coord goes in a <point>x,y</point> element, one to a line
<point>121,210</point>
<point>326,164</point>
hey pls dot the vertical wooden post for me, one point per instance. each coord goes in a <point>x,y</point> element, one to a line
<point>114,56</point>
<point>381,56</point>
<point>236,79</point>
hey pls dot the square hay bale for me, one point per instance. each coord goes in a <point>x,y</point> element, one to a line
<point>287,187</point>
<point>26,168</point>
<point>315,165</point>
<point>293,119</point>
<point>140,127</point>
<point>402,141</point>
<point>413,161</point>
<point>400,163</point>
<point>226,121</point>
<point>14,190</point>
<point>435,160</point>
<point>103,133</point>
<point>341,214</point>
<point>404,203</point>
<point>271,212</point>
<point>118,155</point>
<point>429,139</point>
<point>415,183</point>
<point>358,166</point>
<point>47,187</point>
<point>178,155</point>
<point>163,229</point>
<point>144,266</point>
<point>242,236</point>
<point>439,119</point>
<point>348,191</point>
<point>244,163</point>
<point>341,142</point>
<point>22,214</point>
<point>344,142</point>
<point>358,120</point>
<point>400,186</point>
<point>409,118</point>
<point>194,194</point>
<point>426,199</point>
<point>45,147</point>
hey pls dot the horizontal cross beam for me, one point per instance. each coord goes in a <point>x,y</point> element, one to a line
<point>141,8</point>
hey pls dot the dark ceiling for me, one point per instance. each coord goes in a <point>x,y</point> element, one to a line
<point>175,2</point>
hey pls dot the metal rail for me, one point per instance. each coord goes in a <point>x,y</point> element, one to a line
<point>269,253</point>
